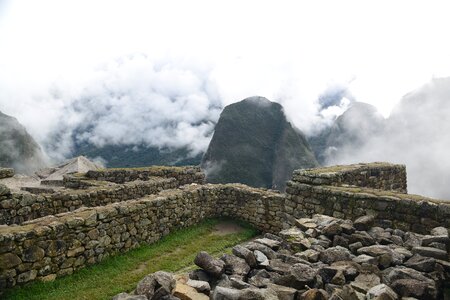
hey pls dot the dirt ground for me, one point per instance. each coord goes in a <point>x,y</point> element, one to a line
<point>226,227</point>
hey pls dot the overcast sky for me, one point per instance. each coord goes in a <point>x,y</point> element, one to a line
<point>288,51</point>
<point>385,47</point>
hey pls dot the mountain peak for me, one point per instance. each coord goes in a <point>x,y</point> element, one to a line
<point>253,143</point>
<point>18,149</point>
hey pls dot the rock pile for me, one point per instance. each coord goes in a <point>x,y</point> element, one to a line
<point>327,258</point>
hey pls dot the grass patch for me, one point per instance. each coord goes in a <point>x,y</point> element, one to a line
<point>122,272</point>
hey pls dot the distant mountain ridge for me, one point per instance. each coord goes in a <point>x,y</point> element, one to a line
<point>254,144</point>
<point>349,130</point>
<point>18,149</point>
<point>116,156</point>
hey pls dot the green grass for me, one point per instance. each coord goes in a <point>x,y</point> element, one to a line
<point>122,272</point>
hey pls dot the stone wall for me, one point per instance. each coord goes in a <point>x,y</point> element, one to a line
<point>6,172</point>
<point>184,175</point>
<point>15,208</point>
<point>389,204</point>
<point>58,245</point>
<point>93,189</point>
<point>380,175</point>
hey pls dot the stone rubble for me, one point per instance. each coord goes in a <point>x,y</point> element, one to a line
<point>322,258</point>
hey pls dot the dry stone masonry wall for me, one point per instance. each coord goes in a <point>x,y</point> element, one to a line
<point>6,173</point>
<point>183,175</point>
<point>122,209</point>
<point>58,245</point>
<point>352,195</point>
<point>15,208</point>
<point>382,176</point>
<point>93,189</point>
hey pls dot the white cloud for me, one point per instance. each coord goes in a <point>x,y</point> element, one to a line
<point>149,71</point>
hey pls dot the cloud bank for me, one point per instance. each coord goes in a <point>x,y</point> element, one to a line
<point>174,103</point>
<point>127,101</point>
<point>164,103</point>
<point>416,134</point>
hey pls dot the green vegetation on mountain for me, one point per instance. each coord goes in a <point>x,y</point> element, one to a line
<point>18,149</point>
<point>129,156</point>
<point>254,144</point>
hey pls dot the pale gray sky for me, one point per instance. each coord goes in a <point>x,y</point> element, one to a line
<point>288,51</point>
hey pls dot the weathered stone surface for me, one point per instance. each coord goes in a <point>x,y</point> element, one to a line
<point>261,259</point>
<point>261,278</point>
<point>431,252</point>
<point>309,255</point>
<point>6,172</point>
<point>260,247</point>
<point>364,282</point>
<point>33,254</point>
<point>258,294</point>
<point>365,259</point>
<point>381,292</point>
<point>283,292</point>
<point>422,264</point>
<point>56,248</point>
<point>9,260</point>
<point>200,286</point>
<point>273,244</point>
<point>399,273</point>
<point>429,239</point>
<point>235,265</point>
<point>215,267</point>
<point>186,292</point>
<point>355,246</point>
<point>200,275</point>
<point>334,254</point>
<point>364,223</point>
<point>305,224</point>
<point>439,231</point>
<point>412,240</point>
<point>347,293</point>
<point>411,288</point>
<point>126,296</point>
<point>299,275</point>
<point>332,229</point>
<point>314,294</point>
<point>386,256</point>
<point>156,285</point>
<point>246,254</point>
<point>222,293</point>
<point>27,276</point>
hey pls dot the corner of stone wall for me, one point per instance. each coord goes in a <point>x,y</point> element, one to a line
<point>377,175</point>
<point>6,172</point>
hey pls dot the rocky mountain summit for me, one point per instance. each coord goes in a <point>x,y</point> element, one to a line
<point>320,258</point>
<point>18,149</point>
<point>254,144</point>
<point>349,131</point>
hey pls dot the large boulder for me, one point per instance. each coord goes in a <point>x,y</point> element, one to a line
<point>364,223</point>
<point>211,265</point>
<point>246,254</point>
<point>235,265</point>
<point>298,277</point>
<point>126,296</point>
<point>156,285</point>
<point>381,292</point>
<point>422,264</point>
<point>334,254</point>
